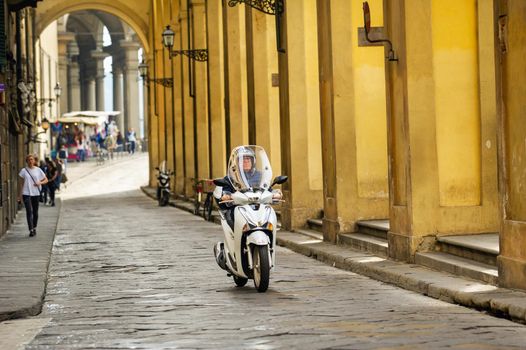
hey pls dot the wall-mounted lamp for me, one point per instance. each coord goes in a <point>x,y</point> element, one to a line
<point>200,55</point>
<point>58,90</point>
<point>143,72</point>
<point>44,124</point>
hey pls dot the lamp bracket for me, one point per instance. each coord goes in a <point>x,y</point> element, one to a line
<point>44,100</point>
<point>166,82</point>
<point>200,55</point>
<point>270,7</point>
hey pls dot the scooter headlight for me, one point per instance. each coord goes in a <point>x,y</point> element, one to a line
<point>242,211</point>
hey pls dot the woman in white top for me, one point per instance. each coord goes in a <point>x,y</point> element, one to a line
<point>29,185</point>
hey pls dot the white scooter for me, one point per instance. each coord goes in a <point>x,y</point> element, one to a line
<point>249,227</point>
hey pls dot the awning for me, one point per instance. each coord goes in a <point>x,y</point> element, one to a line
<point>87,117</point>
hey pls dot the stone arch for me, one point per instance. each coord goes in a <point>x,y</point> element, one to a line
<point>136,16</point>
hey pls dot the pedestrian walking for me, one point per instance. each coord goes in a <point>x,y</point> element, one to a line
<point>43,190</point>
<point>81,148</point>
<point>52,176</point>
<point>110,144</point>
<point>60,171</point>
<point>31,179</point>
<point>132,139</point>
<point>120,143</point>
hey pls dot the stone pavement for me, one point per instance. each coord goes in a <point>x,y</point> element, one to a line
<point>126,273</point>
<point>24,262</point>
<point>501,302</point>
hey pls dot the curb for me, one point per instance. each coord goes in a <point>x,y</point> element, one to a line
<point>500,302</point>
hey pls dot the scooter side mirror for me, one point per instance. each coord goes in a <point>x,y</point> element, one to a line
<point>221,182</point>
<point>279,180</point>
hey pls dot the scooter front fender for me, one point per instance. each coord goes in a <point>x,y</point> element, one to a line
<point>258,238</point>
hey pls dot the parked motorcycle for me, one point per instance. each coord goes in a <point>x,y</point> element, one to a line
<point>163,184</point>
<point>249,225</point>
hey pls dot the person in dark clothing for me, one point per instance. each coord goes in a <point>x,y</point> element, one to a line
<point>58,180</point>
<point>43,192</point>
<point>52,176</point>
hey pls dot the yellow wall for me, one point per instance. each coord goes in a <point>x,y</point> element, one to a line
<point>455,67</point>
<point>369,104</point>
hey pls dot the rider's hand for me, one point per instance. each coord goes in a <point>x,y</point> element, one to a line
<point>226,197</point>
<point>277,195</point>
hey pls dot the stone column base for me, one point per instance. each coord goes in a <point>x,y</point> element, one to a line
<point>403,248</point>
<point>512,272</point>
<point>294,218</point>
<point>331,229</point>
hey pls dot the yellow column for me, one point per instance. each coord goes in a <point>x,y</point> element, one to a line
<point>167,96</point>
<point>443,178</point>
<point>153,133</point>
<point>217,89</point>
<point>201,89</point>
<point>510,26</point>
<point>188,126</point>
<point>266,93</point>
<point>352,97</point>
<point>237,71</point>
<point>179,112</point>
<point>153,117</point>
<point>300,115</point>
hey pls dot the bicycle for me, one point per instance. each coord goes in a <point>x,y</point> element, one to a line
<point>208,206</point>
<point>201,187</point>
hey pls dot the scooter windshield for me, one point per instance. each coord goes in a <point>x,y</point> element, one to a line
<point>162,166</point>
<point>249,168</point>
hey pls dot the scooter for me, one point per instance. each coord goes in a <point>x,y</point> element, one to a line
<point>248,251</point>
<point>163,185</point>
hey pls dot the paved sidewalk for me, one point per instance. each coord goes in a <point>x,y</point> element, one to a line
<point>24,263</point>
<point>24,260</point>
<point>501,302</point>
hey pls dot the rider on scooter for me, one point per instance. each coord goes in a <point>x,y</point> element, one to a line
<point>250,175</point>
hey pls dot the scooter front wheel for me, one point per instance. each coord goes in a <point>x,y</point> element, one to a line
<point>261,268</point>
<point>165,198</point>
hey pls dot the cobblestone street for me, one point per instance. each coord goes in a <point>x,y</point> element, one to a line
<point>126,273</point>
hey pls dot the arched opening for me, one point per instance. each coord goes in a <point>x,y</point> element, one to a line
<point>95,57</point>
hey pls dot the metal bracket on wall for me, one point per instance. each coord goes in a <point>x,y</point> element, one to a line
<point>270,7</point>
<point>166,82</point>
<point>367,30</point>
<point>200,55</point>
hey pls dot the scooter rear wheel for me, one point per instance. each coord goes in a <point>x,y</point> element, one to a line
<point>261,268</point>
<point>240,281</point>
